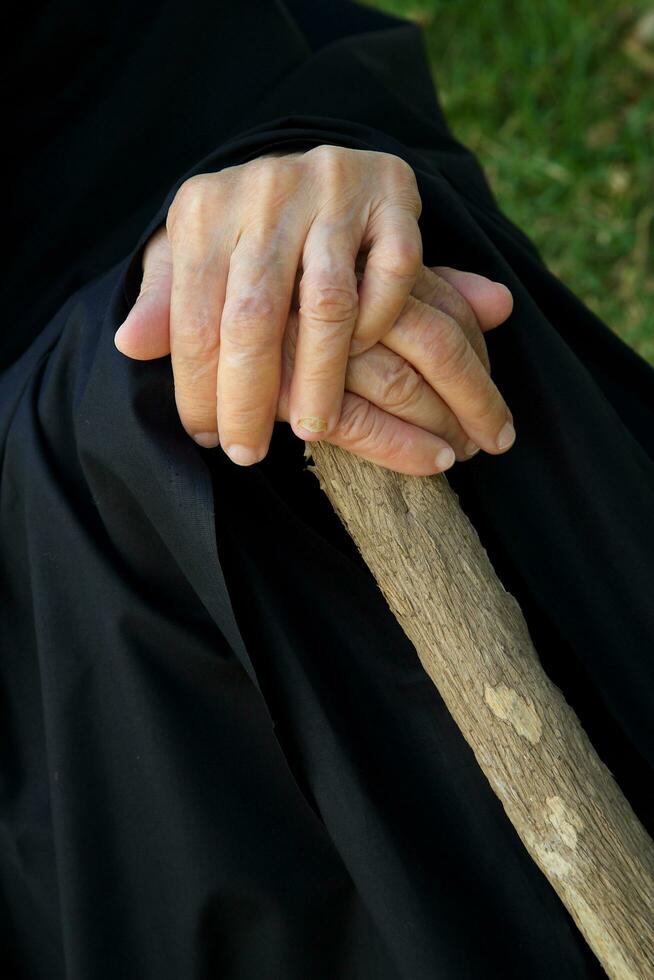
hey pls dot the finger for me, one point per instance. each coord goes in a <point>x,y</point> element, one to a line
<point>374,378</point>
<point>145,333</point>
<point>368,431</point>
<point>416,455</point>
<point>254,316</point>
<point>200,268</point>
<point>388,381</point>
<point>436,291</point>
<point>289,344</point>
<point>433,342</point>
<point>328,306</point>
<point>492,302</point>
<point>393,263</point>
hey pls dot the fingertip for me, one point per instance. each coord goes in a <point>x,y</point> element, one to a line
<point>506,437</point>
<point>123,342</point>
<point>144,335</point>
<point>507,297</point>
<point>119,338</point>
<point>126,337</point>
<point>445,458</point>
<point>492,302</point>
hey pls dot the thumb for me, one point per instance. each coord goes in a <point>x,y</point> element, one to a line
<point>491,302</point>
<point>145,334</point>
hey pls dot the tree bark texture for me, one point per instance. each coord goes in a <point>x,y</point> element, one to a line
<point>474,644</point>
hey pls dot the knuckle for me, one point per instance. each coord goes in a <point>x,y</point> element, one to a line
<point>328,157</point>
<point>454,359</point>
<point>443,344</point>
<point>402,261</point>
<point>324,299</point>
<point>399,167</point>
<point>261,166</point>
<point>193,187</point>
<point>357,423</point>
<point>400,386</point>
<point>335,171</point>
<point>270,185</point>
<point>329,305</point>
<point>190,201</point>
<point>196,345</point>
<point>256,306</point>
<point>405,183</point>
<point>276,163</point>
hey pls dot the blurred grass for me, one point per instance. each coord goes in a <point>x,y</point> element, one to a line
<point>557,101</point>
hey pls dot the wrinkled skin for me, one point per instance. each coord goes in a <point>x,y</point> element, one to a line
<point>292,288</point>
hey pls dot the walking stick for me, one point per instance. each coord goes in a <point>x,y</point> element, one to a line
<point>473,642</point>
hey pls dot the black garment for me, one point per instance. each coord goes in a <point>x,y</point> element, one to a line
<point>220,756</point>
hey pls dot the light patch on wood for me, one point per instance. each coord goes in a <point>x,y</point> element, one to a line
<point>565,820</point>
<point>507,704</point>
<point>547,855</point>
<point>552,861</point>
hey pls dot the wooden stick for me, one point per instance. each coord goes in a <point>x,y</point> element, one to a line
<point>474,644</point>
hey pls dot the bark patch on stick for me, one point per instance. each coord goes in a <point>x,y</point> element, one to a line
<point>507,704</point>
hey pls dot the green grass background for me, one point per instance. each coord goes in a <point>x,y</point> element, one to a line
<point>557,101</point>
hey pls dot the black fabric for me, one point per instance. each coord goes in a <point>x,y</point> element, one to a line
<point>220,755</point>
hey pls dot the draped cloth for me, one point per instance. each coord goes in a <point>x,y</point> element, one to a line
<point>220,756</point>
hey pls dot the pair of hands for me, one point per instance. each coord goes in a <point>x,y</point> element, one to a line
<point>292,287</point>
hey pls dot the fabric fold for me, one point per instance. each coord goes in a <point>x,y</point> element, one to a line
<point>220,755</point>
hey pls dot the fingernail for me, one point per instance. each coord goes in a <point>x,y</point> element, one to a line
<point>206,439</point>
<point>445,458</point>
<point>506,436</point>
<point>243,455</point>
<point>470,448</point>
<point>313,423</point>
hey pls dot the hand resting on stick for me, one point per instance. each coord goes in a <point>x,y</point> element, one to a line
<point>292,288</point>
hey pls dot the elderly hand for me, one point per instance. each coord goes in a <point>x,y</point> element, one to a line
<point>391,414</point>
<point>218,288</point>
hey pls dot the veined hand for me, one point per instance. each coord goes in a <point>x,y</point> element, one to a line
<point>292,287</point>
